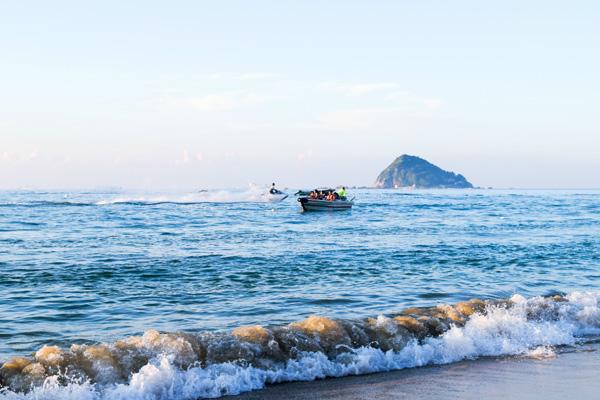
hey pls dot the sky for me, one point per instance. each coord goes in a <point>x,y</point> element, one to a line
<point>216,94</point>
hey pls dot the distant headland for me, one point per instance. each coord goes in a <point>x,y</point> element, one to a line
<point>412,171</point>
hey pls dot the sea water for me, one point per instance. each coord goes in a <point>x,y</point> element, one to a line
<point>188,295</point>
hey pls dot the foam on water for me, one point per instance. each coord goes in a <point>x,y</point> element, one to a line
<point>185,366</point>
<point>253,193</point>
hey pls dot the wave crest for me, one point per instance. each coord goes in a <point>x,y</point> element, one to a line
<point>190,366</point>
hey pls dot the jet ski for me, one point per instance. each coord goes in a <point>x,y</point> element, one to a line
<point>275,196</point>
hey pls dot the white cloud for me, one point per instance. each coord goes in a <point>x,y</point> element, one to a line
<point>214,102</point>
<point>19,157</point>
<point>305,156</point>
<point>370,119</point>
<point>357,89</point>
<point>400,99</point>
<point>244,76</point>
<point>406,98</point>
<point>254,76</point>
<point>400,109</point>
<point>356,118</point>
<point>185,156</point>
<point>222,101</point>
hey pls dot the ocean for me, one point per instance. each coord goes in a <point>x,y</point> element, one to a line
<point>124,295</point>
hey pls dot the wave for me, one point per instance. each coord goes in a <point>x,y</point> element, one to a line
<point>207,365</point>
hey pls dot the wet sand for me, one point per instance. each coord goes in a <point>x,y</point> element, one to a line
<point>571,374</point>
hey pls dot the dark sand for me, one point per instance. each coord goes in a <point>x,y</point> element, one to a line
<point>573,374</point>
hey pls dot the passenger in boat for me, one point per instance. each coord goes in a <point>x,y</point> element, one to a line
<point>313,195</point>
<point>342,192</point>
<point>330,196</point>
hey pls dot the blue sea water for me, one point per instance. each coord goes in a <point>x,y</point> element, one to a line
<point>94,267</point>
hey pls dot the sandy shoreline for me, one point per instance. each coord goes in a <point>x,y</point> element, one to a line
<point>571,374</point>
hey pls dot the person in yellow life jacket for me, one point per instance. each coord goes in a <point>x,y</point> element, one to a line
<point>341,192</point>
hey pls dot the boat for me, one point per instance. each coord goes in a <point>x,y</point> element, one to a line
<point>309,204</point>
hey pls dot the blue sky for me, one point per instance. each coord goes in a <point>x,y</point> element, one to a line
<point>189,94</point>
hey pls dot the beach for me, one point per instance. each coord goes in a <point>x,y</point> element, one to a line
<point>570,373</point>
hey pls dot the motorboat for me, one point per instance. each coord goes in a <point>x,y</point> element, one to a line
<point>309,204</point>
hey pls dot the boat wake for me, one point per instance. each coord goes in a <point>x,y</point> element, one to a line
<point>253,193</point>
<point>207,365</point>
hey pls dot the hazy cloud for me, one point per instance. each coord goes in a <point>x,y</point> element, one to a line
<point>374,118</point>
<point>305,155</point>
<point>408,99</point>
<point>187,157</point>
<point>357,89</point>
<point>253,76</point>
<point>222,101</point>
<point>244,76</point>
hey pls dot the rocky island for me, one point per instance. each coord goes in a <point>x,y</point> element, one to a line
<point>412,171</point>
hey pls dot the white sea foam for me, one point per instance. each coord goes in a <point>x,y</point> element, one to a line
<point>529,327</point>
<point>541,353</point>
<point>253,194</point>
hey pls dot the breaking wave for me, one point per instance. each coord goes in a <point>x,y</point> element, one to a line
<point>207,365</point>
